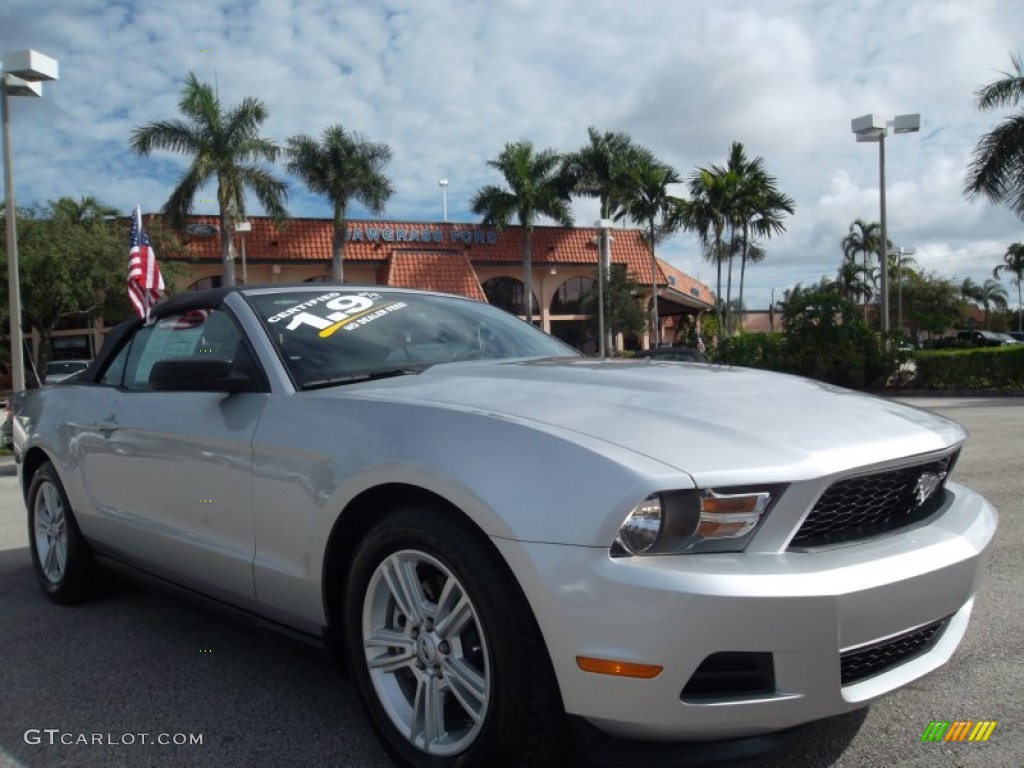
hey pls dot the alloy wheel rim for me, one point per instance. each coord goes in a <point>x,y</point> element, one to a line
<point>51,533</point>
<point>426,652</point>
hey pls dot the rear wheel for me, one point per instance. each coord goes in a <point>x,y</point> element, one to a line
<point>444,648</point>
<point>60,556</point>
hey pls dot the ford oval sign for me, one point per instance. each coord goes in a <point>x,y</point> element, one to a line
<point>201,230</point>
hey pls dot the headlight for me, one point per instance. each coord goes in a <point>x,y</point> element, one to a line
<point>708,520</point>
<point>642,527</point>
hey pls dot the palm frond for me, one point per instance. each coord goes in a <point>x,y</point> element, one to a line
<point>1007,91</point>
<point>996,171</point>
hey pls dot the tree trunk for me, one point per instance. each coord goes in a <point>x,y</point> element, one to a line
<point>743,270</point>
<point>338,245</point>
<point>728,281</point>
<point>528,272</point>
<point>864,284</point>
<point>654,291</point>
<point>227,262</point>
<point>718,263</point>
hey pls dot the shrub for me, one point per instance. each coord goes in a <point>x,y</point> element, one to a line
<point>828,339</point>
<point>984,368</point>
<point>754,350</point>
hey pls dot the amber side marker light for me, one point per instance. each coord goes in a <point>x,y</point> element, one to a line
<point>618,668</point>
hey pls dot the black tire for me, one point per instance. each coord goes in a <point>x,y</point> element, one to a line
<point>494,667</point>
<point>60,557</point>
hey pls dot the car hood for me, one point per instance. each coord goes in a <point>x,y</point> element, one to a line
<point>717,423</point>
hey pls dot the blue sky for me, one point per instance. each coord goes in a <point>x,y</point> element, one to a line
<point>447,83</point>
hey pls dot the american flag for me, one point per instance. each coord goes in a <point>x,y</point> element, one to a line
<point>145,283</point>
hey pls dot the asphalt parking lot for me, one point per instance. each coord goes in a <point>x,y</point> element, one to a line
<point>134,663</point>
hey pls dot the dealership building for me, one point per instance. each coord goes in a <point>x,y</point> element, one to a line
<point>466,259</point>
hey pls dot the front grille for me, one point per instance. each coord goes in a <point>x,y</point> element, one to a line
<point>868,505</point>
<point>867,661</point>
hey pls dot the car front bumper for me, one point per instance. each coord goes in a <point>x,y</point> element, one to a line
<point>803,610</point>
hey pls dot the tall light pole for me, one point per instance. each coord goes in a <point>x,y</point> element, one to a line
<point>874,128</point>
<point>21,74</point>
<point>443,184</point>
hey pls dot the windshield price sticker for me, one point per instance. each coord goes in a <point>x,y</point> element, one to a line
<point>357,321</point>
<point>303,306</point>
<point>349,312</point>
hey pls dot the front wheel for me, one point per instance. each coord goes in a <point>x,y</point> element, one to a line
<point>444,648</point>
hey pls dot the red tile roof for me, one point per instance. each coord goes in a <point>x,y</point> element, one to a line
<point>682,282</point>
<point>304,240</point>
<point>448,272</point>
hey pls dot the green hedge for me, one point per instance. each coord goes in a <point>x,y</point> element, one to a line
<point>754,350</point>
<point>985,368</point>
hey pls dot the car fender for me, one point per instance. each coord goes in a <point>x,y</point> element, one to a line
<point>504,474</point>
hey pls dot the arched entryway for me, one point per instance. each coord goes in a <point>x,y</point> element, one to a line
<point>568,317</point>
<point>507,293</point>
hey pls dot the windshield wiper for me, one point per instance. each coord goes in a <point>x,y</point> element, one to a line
<point>352,378</point>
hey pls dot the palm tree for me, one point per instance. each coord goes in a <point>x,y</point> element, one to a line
<point>224,145</point>
<point>969,290</point>
<point>900,265</point>
<point>991,293</point>
<point>707,213</point>
<point>83,209</point>
<point>996,171</point>
<point>1014,265</point>
<point>646,200</point>
<point>745,173</point>
<point>862,238</point>
<point>342,166</point>
<point>758,208</point>
<point>852,282</point>
<point>601,169</point>
<point>535,188</point>
<point>793,296</point>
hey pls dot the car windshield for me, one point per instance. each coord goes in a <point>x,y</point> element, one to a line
<point>343,335</point>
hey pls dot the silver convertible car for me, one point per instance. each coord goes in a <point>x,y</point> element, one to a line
<point>505,541</point>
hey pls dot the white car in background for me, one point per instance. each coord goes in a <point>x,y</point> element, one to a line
<point>59,370</point>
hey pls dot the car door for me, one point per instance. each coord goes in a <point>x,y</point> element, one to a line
<point>167,474</point>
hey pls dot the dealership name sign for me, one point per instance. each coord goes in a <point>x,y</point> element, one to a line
<point>473,236</point>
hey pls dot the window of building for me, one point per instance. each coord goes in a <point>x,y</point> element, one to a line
<point>568,299</point>
<point>76,347</point>
<point>507,293</point>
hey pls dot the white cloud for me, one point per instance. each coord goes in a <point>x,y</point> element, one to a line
<point>447,83</point>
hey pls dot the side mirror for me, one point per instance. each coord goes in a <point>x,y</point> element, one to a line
<point>198,374</point>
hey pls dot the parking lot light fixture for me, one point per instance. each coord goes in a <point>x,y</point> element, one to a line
<point>873,128</point>
<point>21,74</point>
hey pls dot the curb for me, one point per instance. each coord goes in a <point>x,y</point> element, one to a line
<point>953,393</point>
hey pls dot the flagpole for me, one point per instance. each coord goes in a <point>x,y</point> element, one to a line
<point>145,284</point>
<point>145,294</point>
